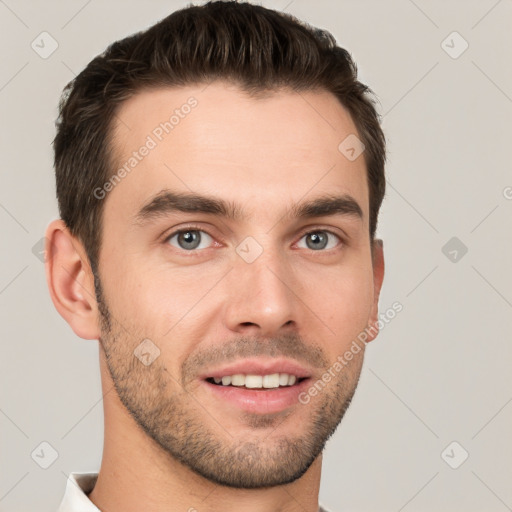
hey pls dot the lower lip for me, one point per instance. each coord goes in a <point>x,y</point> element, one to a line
<point>258,401</point>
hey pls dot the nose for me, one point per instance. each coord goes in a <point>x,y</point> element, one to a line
<point>261,299</point>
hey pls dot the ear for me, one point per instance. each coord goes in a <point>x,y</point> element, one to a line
<point>70,281</point>
<point>378,277</point>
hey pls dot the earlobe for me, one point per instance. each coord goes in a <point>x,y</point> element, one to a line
<point>70,281</point>
<point>378,278</point>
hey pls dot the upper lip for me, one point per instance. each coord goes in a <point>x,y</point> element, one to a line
<point>259,367</point>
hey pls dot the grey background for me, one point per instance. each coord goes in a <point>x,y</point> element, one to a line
<point>440,370</point>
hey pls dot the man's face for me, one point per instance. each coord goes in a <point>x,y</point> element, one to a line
<point>264,293</point>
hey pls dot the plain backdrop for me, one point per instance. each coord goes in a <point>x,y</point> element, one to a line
<point>436,386</point>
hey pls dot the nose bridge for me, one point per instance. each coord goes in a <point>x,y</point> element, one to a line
<point>260,288</point>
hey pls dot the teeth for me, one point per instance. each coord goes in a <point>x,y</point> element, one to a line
<point>253,381</point>
<point>237,380</point>
<point>273,380</point>
<point>283,379</point>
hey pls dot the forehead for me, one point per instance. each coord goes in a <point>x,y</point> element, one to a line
<point>215,139</point>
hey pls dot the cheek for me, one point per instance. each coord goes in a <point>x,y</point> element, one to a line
<point>346,301</point>
<point>158,299</point>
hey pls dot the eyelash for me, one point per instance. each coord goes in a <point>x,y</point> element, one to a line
<point>195,252</point>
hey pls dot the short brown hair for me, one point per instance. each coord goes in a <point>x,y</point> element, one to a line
<point>257,48</point>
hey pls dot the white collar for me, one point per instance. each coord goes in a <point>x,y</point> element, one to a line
<point>75,497</point>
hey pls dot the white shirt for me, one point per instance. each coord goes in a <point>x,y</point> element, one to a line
<point>75,497</point>
<point>78,486</point>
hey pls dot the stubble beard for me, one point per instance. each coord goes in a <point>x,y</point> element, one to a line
<point>182,427</point>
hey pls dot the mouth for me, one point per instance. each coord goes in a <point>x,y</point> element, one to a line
<point>257,386</point>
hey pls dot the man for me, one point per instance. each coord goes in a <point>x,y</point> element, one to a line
<point>219,178</point>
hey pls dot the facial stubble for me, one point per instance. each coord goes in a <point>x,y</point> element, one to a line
<point>168,412</point>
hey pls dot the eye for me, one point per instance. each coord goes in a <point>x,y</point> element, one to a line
<point>188,239</point>
<point>319,239</point>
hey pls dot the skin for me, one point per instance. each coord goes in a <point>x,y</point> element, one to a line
<point>169,445</point>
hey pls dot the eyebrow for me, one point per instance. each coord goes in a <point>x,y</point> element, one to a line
<point>167,202</point>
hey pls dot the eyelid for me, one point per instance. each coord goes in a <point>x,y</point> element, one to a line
<point>328,229</point>
<point>188,227</point>
<point>304,231</point>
